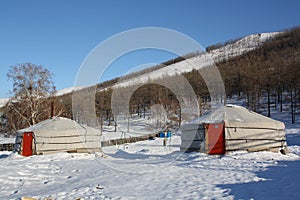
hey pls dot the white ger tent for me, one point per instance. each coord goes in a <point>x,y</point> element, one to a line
<point>60,135</point>
<point>234,128</point>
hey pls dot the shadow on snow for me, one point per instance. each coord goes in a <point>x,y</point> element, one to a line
<point>3,156</point>
<point>282,181</point>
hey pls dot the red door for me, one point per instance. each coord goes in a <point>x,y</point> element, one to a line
<point>27,144</point>
<point>216,139</point>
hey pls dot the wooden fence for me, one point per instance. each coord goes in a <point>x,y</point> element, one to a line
<point>7,147</point>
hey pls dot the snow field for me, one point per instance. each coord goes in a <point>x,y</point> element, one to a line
<point>144,170</point>
<point>6,140</point>
<point>149,170</point>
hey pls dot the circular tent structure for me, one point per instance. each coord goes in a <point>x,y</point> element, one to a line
<point>58,135</point>
<point>233,128</point>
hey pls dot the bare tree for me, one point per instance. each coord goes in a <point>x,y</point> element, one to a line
<point>32,89</point>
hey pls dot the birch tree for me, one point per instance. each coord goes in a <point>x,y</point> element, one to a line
<point>32,89</point>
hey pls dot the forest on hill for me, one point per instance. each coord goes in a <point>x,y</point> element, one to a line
<point>265,77</point>
<point>269,72</point>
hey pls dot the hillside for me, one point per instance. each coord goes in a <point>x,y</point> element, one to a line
<point>229,51</point>
<point>261,68</point>
<point>255,67</point>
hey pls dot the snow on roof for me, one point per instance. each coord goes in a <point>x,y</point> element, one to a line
<point>238,116</point>
<point>65,123</point>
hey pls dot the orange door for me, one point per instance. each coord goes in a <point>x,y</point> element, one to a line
<point>27,144</point>
<point>216,139</point>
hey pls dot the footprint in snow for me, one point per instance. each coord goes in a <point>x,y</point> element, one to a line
<point>99,187</point>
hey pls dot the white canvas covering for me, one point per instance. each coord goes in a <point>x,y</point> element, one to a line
<point>246,130</point>
<point>62,134</point>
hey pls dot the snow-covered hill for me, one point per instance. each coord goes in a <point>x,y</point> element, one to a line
<point>68,90</point>
<point>61,92</point>
<point>3,102</point>
<point>240,47</point>
<point>228,51</point>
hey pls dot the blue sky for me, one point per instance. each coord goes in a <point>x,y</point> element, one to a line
<point>60,34</point>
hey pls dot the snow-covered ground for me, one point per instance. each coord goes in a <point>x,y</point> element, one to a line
<point>138,127</point>
<point>6,140</point>
<point>149,170</point>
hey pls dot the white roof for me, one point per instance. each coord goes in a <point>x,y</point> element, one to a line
<point>238,116</point>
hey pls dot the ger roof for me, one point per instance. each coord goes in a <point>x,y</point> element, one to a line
<point>238,116</point>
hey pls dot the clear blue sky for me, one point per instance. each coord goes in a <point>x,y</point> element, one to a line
<point>60,34</point>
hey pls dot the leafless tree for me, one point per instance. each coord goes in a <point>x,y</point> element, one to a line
<point>32,91</point>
